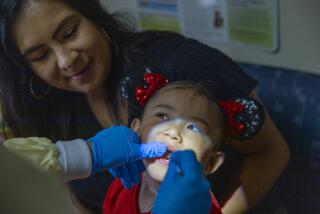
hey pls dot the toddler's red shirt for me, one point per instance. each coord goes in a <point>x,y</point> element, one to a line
<point>120,200</point>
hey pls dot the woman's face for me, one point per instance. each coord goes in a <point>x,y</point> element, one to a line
<point>61,46</point>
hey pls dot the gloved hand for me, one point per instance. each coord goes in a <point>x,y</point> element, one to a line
<point>118,149</point>
<point>185,188</point>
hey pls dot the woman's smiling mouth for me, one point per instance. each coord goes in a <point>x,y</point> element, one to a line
<point>80,75</point>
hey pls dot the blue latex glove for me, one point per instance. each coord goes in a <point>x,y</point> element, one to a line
<point>118,149</point>
<point>185,188</point>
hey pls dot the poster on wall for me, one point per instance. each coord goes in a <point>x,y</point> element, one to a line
<point>243,23</point>
<point>158,15</point>
<point>249,24</point>
<point>204,21</point>
<point>254,23</point>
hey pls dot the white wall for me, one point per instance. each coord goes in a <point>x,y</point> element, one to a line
<point>299,37</point>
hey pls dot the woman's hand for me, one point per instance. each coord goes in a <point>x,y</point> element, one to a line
<point>118,149</point>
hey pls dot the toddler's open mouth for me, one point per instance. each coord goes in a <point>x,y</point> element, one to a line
<point>164,160</point>
<point>167,155</point>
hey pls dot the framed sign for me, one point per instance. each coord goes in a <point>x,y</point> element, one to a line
<point>254,23</point>
<point>249,24</point>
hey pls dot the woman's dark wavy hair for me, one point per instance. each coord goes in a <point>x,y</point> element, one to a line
<point>55,115</point>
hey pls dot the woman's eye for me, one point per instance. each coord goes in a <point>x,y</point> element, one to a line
<point>194,128</point>
<point>41,56</point>
<point>162,116</point>
<point>70,33</point>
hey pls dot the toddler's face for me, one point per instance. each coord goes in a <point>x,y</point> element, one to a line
<point>177,134</point>
<point>180,124</point>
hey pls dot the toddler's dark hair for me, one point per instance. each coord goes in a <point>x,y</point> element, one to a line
<point>135,110</point>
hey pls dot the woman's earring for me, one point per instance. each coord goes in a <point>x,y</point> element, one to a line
<point>36,96</point>
<point>106,35</point>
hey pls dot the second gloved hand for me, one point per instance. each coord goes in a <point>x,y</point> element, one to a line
<point>185,188</point>
<point>118,149</point>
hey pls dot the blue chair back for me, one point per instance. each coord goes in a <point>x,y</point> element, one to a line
<point>293,101</point>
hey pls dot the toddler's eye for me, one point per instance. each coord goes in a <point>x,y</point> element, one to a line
<point>194,128</point>
<point>162,116</point>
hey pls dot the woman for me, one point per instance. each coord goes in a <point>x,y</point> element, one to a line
<point>61,65</point>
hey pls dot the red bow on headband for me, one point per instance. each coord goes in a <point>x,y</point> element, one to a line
<point>154,81</point>
<point>231,109</point>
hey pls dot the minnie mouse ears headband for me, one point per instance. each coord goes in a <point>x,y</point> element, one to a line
<point>154,81</point>
<point>244,116</point>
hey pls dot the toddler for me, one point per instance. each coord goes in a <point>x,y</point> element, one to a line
<point>183,116</point>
